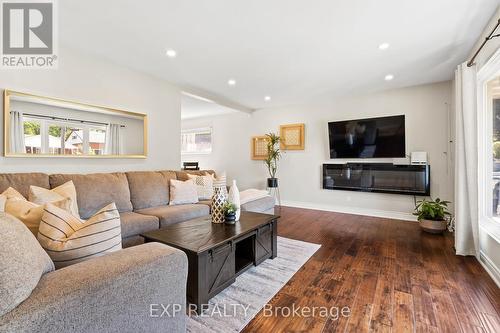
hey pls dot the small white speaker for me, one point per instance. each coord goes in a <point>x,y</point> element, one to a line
<point>418,158</point>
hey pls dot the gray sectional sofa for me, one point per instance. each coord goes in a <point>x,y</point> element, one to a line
<point>141,197</point>
<point>112,293</point>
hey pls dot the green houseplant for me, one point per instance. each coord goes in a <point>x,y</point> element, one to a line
<point>273,156</point>
<point>229,210</point>
<point>432,215</point>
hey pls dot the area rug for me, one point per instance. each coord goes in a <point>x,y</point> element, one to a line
<point>233,308</point>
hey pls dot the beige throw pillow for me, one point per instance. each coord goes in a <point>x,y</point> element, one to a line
<point>69,240</point>
<point>28,212</point>
<point>182,192</point>
<point>3,201</point>
<point>41,196</point>
<point>204,186</point>
<point>11,193</point>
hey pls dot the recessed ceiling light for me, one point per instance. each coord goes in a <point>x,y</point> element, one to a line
<point>389,77</point>
<point>231,82</point>
<point>171,53</point>
<point>383,46</point>
<point>267,98</point>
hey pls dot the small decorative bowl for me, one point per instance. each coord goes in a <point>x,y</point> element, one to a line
<point>230,218</point>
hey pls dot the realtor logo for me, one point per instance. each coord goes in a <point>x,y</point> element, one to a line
<point>28,34</point>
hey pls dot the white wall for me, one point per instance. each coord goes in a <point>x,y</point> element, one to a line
<point>94,81</point>
<point>230,145</point>
<point>426,109</point>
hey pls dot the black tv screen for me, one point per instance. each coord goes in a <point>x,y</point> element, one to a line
<point>368,138</point>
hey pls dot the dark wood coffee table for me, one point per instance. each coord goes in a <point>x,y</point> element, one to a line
<point>218,253</point>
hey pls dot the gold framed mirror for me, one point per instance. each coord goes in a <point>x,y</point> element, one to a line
<point>38,126</point>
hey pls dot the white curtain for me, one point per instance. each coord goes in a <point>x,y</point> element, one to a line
<point>466,165</point>
<point>16,133</point>
<point>113,140</point>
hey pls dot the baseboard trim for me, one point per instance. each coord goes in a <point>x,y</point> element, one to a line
<point>351,210</point>
<point>490,267</point>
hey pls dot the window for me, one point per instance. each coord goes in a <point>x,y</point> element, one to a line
<point>488,144</point>
<point>63,137</point>
<point>32,136</point>
<point>73,140</point>
<point>196,141</point>
<point>97,140</point>
<point>493,104</point>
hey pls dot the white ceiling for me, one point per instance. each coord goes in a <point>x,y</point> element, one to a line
<point>291,50</point>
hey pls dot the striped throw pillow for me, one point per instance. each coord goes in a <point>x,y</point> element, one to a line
<point>69,240</point>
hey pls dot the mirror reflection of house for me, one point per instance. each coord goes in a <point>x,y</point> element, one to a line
<point>97,140</point>
<point>60,139</point>
<point>33,144</point>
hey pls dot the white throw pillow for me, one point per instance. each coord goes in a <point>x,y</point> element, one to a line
<point>204,186</point>
<point>28,212</point>
<point>41,196</point>
<point>69,240</point>
<point>182,192</point>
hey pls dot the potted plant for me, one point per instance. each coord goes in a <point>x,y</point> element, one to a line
<point>273,156</point>
<point>230,210</point>
<point>432,215</point>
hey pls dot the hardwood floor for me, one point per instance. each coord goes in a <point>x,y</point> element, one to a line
<point>392,276</point>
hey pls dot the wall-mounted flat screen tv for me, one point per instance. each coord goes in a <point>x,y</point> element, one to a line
<point>368,138</point>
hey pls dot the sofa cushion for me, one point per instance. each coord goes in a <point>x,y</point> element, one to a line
<point>22,181</point>
<point>132,241</point>
<point>69,240</point>
<point>148,189</point>
<point>206,202</point>
<point>168,174</point>
<point>97,190</point>
<point>260,205</point>
<point>175,214</point>
<point>23,263</point>
<point>134,224</point>
<point>183,175</point>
